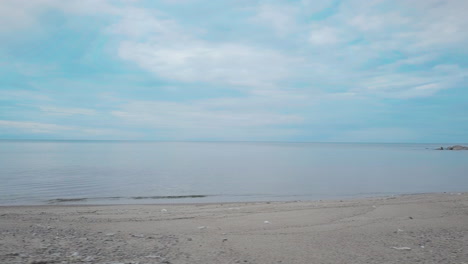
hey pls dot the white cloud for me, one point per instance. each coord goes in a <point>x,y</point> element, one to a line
<point>281,18</point>
<point>321,67</point>
<point>314,6</point>
<point>324,35</point>
<point>198,61</point>
<point>413,84</point>
<point>437,23</point>
<point>63,111</point>
<point>206,115</point>
<point>411,61</point>
<point>18,14</point>
<point>138,22</point>
<point>34,127</point>
<point>72,132</point>
<point>206,120</point>
<point>21,14</point>
<point>259,99</point>
<point>360,39</point>
<point>23,95</point>
<point>412,26</point>
<point>161,46</point>
<point>377,134</point>
<point>378,22</point>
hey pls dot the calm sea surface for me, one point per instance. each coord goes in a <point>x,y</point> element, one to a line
<point>99,172</point>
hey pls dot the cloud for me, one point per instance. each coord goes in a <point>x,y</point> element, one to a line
<point>164,114</point>
<point>315,6</point>
<point>437,23</point>
<point>412,26</point>
<point>18,14</point>
<point>414,84</point>
<point>416,60</point>
<point>324,36</point>
<point>389,48</point>
<point>377,134</point>
<point>23,95</point>
<point>66,111</point>
<point>206,119</point>
<point>142,23</point>
<point>161,46</point>
<point>368,22</point>
<point>34,127</point>
<point>288,65</point>
<point>74,132</point>
<point>280,18</point>
<point>341,44</point>
<point>198,61</point>
<point>21,14</point>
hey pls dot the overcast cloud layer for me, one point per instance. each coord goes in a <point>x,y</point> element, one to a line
<point>310,70</point>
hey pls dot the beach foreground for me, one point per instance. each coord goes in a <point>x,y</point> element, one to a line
<point>424,228</point>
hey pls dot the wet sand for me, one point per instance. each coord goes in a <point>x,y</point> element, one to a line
<point>423,228</point>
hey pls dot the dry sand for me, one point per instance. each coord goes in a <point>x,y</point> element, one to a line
<point>423,228</point>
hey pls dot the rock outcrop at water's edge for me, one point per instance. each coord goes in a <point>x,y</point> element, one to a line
<point>456,147</point>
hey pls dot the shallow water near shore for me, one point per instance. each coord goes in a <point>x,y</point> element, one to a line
<point>123,172</point>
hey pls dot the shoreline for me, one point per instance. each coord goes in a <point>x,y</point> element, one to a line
<point>69,202</point>
<point>407,228</point>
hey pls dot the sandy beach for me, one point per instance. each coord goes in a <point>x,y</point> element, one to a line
<point>423,228</point>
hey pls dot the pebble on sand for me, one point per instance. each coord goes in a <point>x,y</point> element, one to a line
<point>402,248</point>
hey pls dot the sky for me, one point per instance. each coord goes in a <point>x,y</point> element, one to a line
<point>235,70</point>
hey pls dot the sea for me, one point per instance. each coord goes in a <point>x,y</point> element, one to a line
<point>149,172</point>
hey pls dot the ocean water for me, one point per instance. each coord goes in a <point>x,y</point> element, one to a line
<point>106,172</point>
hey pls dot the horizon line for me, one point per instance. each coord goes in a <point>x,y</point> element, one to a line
<point>230,141</point>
